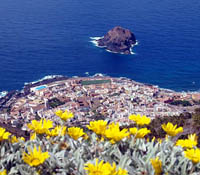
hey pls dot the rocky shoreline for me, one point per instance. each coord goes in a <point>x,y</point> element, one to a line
<point>26,90</point>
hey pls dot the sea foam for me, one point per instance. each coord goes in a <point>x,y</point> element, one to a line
<point>44,78</point>
<point>94,41</point>
<point>3,94</point>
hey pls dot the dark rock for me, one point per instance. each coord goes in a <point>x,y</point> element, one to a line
<point>118,40</point>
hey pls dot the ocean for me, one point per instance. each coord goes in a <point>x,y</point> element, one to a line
<point>40,38</point>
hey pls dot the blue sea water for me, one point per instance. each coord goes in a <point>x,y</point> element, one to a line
<point>46,37</point>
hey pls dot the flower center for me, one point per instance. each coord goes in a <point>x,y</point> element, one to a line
<point>35,161</point>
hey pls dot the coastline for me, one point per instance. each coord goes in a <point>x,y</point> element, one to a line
<point>53,78</point>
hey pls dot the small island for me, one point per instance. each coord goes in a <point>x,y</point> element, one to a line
<point>118,40</point>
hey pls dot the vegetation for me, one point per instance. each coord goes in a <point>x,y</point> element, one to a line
<point>181,102</point>
<point>114,94</point>
<point>54,102</point>
<point>103,148</point>
<point>90,82</point>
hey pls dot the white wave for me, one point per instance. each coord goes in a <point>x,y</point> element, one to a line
<point>110,51</point>
<point>44,78</point>
<point>96,38</point>
<point>131,51</point>
<point>3,94</point>
<point>95,42</point>
<point>137,43</point>
<point>99,75</point>
<point>75,76</point>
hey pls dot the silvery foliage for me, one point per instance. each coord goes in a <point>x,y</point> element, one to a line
<point>131,154</point>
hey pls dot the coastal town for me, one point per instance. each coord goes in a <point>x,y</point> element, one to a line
<point>90,98</point>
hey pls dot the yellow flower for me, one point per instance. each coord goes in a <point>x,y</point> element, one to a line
<point>122,172</point>
<point>141,133</point>
<point>188,143</point>
<point>4,135</point>
<point>85,136</point>
<point>114,134</point>
<point>140,120</point>
<point>14,139</point>
<point>64,115</point>
<point>111,169</point>
<point>100,139</point>
<point>171,130</point>
<point>59,113</point>
<point>153,139</point>
<point>22,138</point>
<point>75,132</point>
<point>4,172</point>
<point>193,138</point>
<point>35,157</point>
<point>193,155</point>
<point>97,169</point>
<point>40,127</point>
<point>98,127</point>
<point>133,131</point>
<point>57,131</point>
<point>103,169</point>
<point>33,136</point>
<point>159,140</point>
<point>157,165</point>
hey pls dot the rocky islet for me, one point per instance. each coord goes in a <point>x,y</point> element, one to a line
<point>118,40</point>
